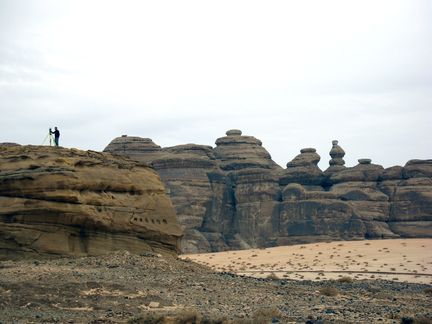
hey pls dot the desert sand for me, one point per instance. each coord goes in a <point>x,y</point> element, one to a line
<point>403,260</point>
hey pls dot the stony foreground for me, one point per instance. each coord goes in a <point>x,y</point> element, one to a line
<point>146,288</point>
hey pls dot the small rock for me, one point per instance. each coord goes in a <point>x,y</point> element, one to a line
<point>154,304</point>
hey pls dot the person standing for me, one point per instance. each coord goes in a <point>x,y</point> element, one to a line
<point>56,135</point>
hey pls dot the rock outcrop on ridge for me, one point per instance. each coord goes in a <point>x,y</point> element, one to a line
<point>235,196</point>
<point>56,201</point>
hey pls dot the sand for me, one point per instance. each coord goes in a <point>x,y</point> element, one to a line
<point>403,260</point>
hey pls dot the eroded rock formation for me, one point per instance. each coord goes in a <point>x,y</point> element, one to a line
<point>56,201</point>
<point>337,162</point>
<point>235,196</point>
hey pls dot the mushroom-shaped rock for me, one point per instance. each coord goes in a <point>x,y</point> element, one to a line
<point>337,162</point>
<point>303,169</point>
<point>307,157</point>
<point>236,151</point>
<point>337,153</point>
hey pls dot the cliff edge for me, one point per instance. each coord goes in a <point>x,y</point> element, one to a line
<point>56,201</point>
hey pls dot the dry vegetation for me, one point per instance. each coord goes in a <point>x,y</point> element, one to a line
<point>329,291</point>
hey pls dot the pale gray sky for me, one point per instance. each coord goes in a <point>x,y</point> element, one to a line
<point>292,73</point>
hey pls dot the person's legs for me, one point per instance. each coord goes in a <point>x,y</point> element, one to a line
<point>56,141</point>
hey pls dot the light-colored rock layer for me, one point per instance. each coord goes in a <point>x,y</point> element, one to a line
<point>70,202</point>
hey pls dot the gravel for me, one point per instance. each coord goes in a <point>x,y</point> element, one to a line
<point>123,287</point>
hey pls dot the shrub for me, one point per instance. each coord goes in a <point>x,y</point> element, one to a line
<point>187,316</point>
<point>345,279</point>
<point>422,320</point>
<point>416,320</point>
<point>272,276</point>
<point>329,291</point>
<point>266,314</point>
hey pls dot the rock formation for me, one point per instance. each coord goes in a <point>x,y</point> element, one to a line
<point>410,193</point>
<point>56,201</point>
<point>236,151</point>
<point>235,196</point>
<point>303,169</point>
<point>137,148</point>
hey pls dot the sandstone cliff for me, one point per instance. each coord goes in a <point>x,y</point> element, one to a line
<point>235,196</point>
<point>56,201</point>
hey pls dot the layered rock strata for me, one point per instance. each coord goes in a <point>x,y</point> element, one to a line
<point>337,162</point>
<point>234,196</point>
<point>410,193</point>
<point>56,201</point>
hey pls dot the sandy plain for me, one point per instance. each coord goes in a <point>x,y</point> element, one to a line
<point>403,260</point>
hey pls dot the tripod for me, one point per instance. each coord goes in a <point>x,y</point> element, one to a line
<point>50,137</point>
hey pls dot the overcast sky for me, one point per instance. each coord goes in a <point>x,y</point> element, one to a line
<point>294,74</point>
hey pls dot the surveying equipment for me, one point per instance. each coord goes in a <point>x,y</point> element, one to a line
<point>50,137</point>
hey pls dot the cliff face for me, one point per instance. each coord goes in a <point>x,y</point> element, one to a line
<point>235,196</point>
<point>57,201</point>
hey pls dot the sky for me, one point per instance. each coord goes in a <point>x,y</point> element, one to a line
<point>294,74</point>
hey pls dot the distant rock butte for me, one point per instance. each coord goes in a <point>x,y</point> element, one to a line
<point>234,196</point>
<point>56,201</point>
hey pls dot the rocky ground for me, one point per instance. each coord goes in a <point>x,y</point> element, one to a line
<point>152,288</point>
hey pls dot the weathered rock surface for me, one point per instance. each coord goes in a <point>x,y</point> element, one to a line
<point>184,169</point>
<point>137,148</point>
<point>56,201</point>
<point>411,208</point>
<point>209,187</point>
<point>234,196</point>
<point>358,187</point>
<point>190,173</point>
<point>303,169</point>
<point>337,162</point>
<point>236,151</point>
